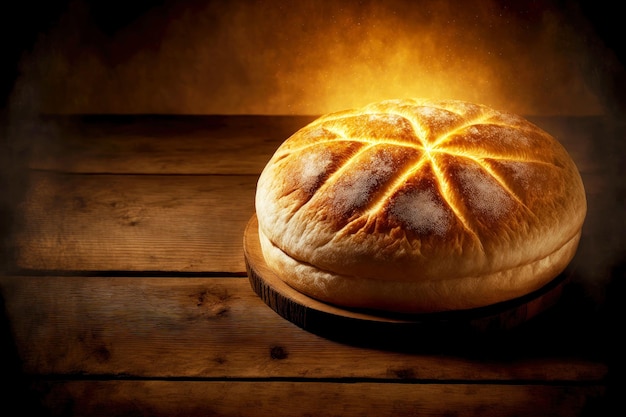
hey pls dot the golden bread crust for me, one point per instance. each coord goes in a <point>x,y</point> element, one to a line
<point>436,199</point>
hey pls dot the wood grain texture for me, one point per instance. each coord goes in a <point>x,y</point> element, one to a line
<point>219,328</point>
<point>134,223</point>
<point>172,195</point>
<point>159,144</point>
<point>245,398</point>
<point>213,144</point>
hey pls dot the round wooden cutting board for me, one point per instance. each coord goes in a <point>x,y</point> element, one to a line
<point>367,326</point>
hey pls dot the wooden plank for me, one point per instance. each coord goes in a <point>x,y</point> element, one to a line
<point>160,144</point>
<point>104,222</point>
<point>134,223</point>
<point>248,398</point>
<point>219,328</point>
<point>238,144</point>
<point>168,223</point>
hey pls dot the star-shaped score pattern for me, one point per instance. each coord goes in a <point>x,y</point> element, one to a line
<point>393,147</point>
<point>420,205</point>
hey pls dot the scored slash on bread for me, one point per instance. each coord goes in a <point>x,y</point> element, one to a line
<point>419,206</point>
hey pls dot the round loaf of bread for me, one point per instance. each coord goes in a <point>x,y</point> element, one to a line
<point>419,206</point>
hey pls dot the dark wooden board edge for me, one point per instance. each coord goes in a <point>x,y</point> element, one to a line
<point>388,330</point>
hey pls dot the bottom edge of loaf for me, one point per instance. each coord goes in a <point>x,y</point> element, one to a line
<point>417,297</point>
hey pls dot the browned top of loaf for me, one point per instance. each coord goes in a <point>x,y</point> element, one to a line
<point>412,183</point>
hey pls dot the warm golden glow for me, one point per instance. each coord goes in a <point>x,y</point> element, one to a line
<point>310,57</point>
<point>427,149</point>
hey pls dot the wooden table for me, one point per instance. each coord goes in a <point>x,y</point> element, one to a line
<point>125,291</point>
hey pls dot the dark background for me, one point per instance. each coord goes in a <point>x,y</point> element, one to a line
<point>537,57</point>
<point>23,22</point>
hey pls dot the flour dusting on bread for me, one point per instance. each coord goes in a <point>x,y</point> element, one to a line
<point>420,205</point>
<point>422,212</point>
